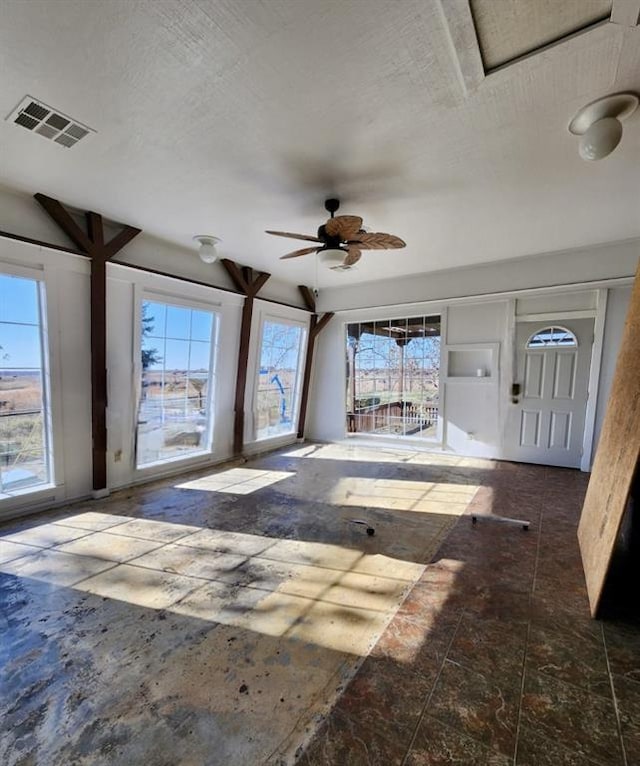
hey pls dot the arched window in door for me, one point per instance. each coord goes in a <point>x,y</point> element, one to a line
<point>552,336</point>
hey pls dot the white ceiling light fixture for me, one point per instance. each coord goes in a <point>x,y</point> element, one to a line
<point>599,124</point>
<point>332,256</point>
<point>207,250</point>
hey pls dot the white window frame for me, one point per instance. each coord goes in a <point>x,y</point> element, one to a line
<point>45,280</point>
<point>428,442</point>
<point>172,299</point>
<point>295,408</point>
<point>552,344</point>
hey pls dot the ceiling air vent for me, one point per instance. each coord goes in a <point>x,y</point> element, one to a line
<point>49,122</point>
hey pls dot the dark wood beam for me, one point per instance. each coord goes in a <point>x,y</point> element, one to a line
<point>92,243</point>
<point>233,270</point>
<point>259,282</point>
<point>308,297</point>
<point>250,284</point>
<point>95,230</point>
<point>316,325</point>
<point>99,371</point>
<point>136,267</point>
<point>63,218</point>
<point>120,240</point>
<point>322,323</point>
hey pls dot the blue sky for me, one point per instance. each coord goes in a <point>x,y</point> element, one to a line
<point>180,335</point>
<point>19,303</point>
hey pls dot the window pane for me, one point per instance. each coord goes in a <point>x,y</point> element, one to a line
<point>20,346</point>
<point>201,325</point>
<point>278,379</point>
<point>19,300</point>
<point>176,354</point>
<point>154,316</point>
<point>175,403</point>
<point>199,356</point>
<point>393,369</point>
<point>178,322</point>
<point>20,391</point>
<point>552,336</point>
<point>24,452</point>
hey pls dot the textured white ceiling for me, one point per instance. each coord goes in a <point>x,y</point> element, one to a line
<point>233,116</point>
<point>507,29</point>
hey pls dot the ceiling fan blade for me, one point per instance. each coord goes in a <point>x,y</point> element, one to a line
<point>353,256</point>
<point>343,226</point>
<point>288,234</point>
<point>378,241</point>
<point>302,251</point>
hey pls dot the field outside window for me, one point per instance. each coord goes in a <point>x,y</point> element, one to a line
<point>278,379</point>
<point>24,423</point>
<point>175,411</point>
<point>393,377</point>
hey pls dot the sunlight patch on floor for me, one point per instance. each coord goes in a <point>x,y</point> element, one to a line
<point>372,453</point>
<point>236,481</point>
<point>329,595</point>
<point>448,499</point>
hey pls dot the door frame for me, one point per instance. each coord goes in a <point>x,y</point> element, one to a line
<point>599,316</point>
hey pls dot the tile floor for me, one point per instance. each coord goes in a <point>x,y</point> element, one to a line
<point>239,616</point>
<point>493,658</point>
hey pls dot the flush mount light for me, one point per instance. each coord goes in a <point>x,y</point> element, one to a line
<point>207,250</point>
<point>599,124</point>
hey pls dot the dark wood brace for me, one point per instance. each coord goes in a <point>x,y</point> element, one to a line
<point>92,244</point>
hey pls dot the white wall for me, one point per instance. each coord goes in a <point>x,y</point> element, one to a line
<point>607,261</point>
<point>473,411</point>
<point>21,214</point>
<point>473,408</point>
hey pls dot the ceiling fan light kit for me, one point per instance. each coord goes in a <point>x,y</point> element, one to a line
<point>599,124</point>
<point>332,256</point>
<point>207,250</point>
<point>341,240</point>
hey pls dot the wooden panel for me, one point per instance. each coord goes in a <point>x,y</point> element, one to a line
<point>616,459</point>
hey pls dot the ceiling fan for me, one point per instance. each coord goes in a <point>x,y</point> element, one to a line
<point>341,240</point>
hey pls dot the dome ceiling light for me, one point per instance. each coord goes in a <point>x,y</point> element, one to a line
<point>599,124</point>
<point>207,250</point>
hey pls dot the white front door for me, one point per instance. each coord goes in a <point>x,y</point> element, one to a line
<point>546,411</point>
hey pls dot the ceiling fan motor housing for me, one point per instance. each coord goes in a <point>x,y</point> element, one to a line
<point>327,239</point>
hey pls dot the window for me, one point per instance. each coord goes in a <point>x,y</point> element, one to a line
<point>552,336</point>
<point>278,378</point>
<point>25,432</point>
<point>393,376</point>
<point>176,345</point>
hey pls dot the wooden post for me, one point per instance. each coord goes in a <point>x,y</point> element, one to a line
<point>316,325</point>
<point>94,246</point>
<point>248,284</point>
